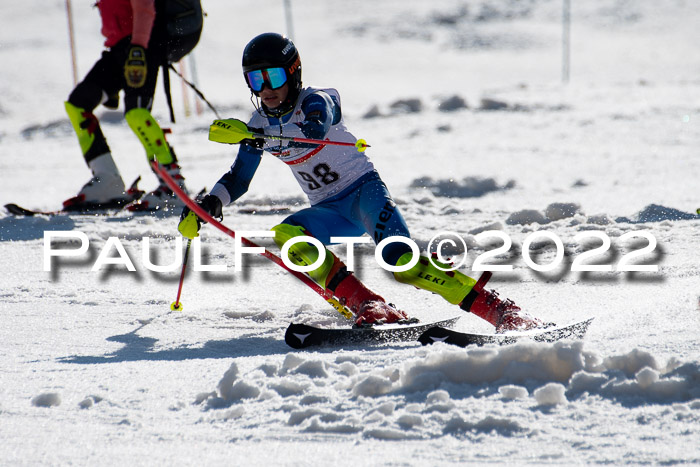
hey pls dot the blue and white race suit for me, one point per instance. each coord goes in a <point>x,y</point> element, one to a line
<point>347,196</point>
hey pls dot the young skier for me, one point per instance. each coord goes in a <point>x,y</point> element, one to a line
<point>347,196</point>
<point>130,63</point>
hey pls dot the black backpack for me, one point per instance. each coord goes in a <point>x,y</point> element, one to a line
<point>178,27</point>
<point>182,23</point>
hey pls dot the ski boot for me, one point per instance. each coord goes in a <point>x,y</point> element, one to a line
<point>504,314</point>
<point>104,190</point>
<point>162,198</point>
<point>368,307</point>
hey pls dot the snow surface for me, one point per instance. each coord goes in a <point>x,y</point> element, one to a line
<point>472,130</point>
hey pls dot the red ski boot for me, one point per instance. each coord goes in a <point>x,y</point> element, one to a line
<point>504,314</point>
<point>368,307</point>
<point>378,312</point>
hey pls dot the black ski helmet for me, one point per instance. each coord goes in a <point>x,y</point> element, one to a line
<point>270,50</point>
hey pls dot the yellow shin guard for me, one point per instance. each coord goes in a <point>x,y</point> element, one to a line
<point>150,134</point>
<point>453,286</point>
<point>85,137</point>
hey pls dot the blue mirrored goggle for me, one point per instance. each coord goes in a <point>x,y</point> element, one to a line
<point>273,77</point>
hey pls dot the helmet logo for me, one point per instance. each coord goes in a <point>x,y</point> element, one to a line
<point>295,66</point>
<point>286,49</point>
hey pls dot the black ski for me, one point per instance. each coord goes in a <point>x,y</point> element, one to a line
<point>16,210</point>
<point>299,336</point>
<point>84,208</point>
<point>440,334</point>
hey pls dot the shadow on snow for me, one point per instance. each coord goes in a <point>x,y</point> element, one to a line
<point>138,348</point>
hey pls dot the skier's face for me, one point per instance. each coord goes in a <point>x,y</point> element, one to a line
<point>273,98</point>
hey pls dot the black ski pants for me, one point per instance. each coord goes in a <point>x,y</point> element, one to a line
<point>107,77</point>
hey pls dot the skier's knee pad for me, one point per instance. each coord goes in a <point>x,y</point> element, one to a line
<point>150,134</point>
<point>304,253</point>
<point>453,286</point>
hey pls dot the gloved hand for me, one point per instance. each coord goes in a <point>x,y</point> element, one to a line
<point>257,143</point>
<point>190,223</point>
<point>135,67</point>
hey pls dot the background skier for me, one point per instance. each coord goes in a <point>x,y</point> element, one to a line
<point>134,52</point>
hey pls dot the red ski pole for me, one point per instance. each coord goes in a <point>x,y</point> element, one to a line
<point>202,214</point>
<point>233,131</point>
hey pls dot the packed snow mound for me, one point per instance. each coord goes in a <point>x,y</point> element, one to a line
<point>414,105</point>
<point>526,216</point>
<point>428,396</point>
<point>550,394</point>
<point>455,102</point>
<point>559,211</point>
<point>658,213</point>
<point>494,104</point>
<point>48,399</point>
<point>469,187</point>
<point>553,212</point>
<point>89,401</point>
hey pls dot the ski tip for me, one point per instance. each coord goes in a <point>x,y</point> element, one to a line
<point>435,334</point>
<point>16,210</point>
<point>299,336</point>
<point>576,330</point>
